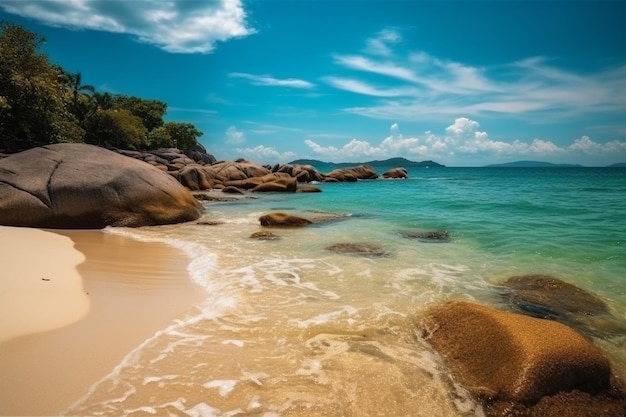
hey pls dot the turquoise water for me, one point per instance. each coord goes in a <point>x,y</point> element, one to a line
<point>289,328</point>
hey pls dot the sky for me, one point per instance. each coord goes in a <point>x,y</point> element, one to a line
<point>462,83</point>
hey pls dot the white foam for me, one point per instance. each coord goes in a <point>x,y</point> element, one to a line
<point>144,409</point>
<point>224,386</point>
<point>239,343</point>
<point>326,317</point>
<point>202,410</point>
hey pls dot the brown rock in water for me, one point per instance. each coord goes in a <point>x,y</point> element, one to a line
<point>512,362</point>
<point>426,235</point>
<point>264,235</point>
<point>283,220</point>
<point>363,249</point>
<point>351,174</point>
<point>548,297</point>
<point>396,173</point>
<point>71,185</point>
<point>309,189</point>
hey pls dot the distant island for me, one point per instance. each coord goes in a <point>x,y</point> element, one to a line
<point>618,165</point>
<point>392,162</point>
<point>533,164</point>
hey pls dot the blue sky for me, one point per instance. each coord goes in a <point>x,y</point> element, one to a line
<point>464,83</point>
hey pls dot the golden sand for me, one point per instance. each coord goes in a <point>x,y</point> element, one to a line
<point>73,304</point>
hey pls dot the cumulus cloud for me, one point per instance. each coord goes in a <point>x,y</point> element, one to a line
<point>462,141</point>
<point>269,81</point>
<point>179,26</point>
<point>234,136</point>
<point>266,154</point>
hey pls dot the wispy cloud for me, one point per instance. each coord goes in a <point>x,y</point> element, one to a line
<point>419,86</point>
<point>269,81</point>
<point>179,26</point>
<point>464,141</point>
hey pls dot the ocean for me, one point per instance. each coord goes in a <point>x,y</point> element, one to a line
<point>291,328</point>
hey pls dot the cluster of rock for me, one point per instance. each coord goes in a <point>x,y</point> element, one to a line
<point>198,170</point>
<point>82,186</point>
<point>532,364</point>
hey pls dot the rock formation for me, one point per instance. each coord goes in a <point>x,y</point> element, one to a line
<point>512,363</point>
<point>84,186</point>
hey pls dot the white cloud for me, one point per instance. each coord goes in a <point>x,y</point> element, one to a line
<point>419,86</point>
<point>180,26</point>
<point>234,136</point>
<point>379,45</point>
<point>463,141</point>
<point>268,81</point>
<point>266,154</point>
<point>359,87</point>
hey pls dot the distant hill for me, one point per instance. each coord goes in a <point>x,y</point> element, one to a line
<point>392,162</point>
<point>618,165</point>
<point>532,164</point>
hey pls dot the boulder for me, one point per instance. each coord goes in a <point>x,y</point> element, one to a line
<point>264,235</point>
<point>548,297</point>
<point>195,178</point>
<point>351,174</point>
<point>309,189</point>
<point>283,220</point>
<point>396,173</point>
<point>199,154</point>
<point>362,249</point>
<point>510,361</point>
<point>86,187</point>
<point>427,235</point>
<point>232,190</point>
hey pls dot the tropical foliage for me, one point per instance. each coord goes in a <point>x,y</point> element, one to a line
<point>41,103</point>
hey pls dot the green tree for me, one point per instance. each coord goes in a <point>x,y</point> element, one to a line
<point>116,128</point>
<point>159,138</point>
<point>184,135</point>
<point>80,93</point>
<point>151,112</point>
<point>33,108</point>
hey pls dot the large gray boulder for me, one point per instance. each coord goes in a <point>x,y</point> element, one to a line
<point>87,187</point>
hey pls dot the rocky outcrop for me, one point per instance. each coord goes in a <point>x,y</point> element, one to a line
<point>508,363</point>
<point>198,170</point>
<point>548,297</point>
<point>361,249</point>
<point>351,174</point>
<point>396,173</point>
<point>84,186</point>
<point>283,220</point>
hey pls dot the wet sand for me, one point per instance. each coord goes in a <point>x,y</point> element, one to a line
<point>66,324</point>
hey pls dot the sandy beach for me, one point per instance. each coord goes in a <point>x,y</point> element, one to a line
<point>73,304</point>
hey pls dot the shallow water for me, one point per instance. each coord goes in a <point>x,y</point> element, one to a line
<point>289,328</point>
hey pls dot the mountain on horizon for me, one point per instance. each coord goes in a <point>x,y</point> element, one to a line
<point>391,162</point>
<point>532,164</point>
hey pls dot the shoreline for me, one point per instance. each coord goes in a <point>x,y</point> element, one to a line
<point>129,291</point>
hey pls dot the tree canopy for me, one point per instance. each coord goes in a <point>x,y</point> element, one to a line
<point>41,103</point>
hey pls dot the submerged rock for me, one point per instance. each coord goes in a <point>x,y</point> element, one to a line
<point>511,362</point>
<point>547,297</point>
<point>427,235</point>
<point>362,249</point>
<point>264,235</point>
<point>72,185</point>
<point>283,220</point>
